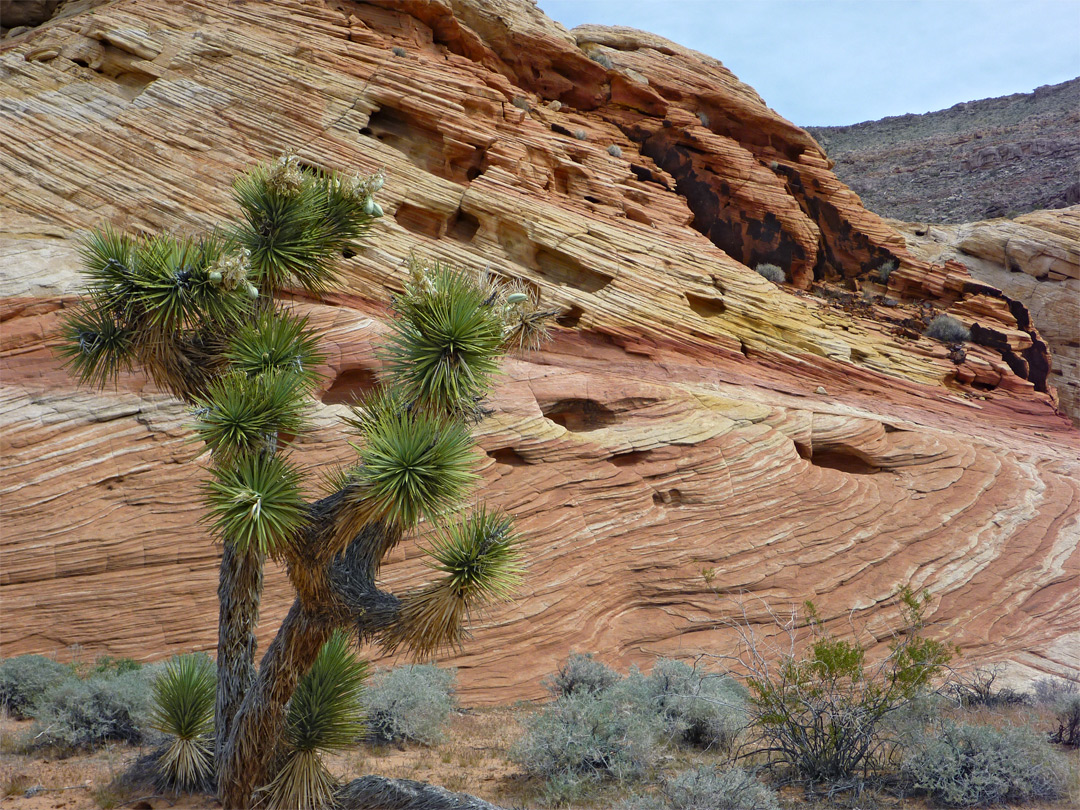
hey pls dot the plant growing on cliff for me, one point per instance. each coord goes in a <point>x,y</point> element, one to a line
<point>771,272</point>
<point>198,316</point>
<point>948,329</point>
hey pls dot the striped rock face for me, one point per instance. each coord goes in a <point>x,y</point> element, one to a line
<point>696,444</point>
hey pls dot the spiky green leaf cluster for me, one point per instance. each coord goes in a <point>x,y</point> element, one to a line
<point>413,463</point>
<point>275,341</point>
<point>479,555</point>
<point>296,223</point>
<point>447,340</point>
<point>480,560</point>
<point>153,302</point>
<point>184,708</point>
<point>96,344</point>
<point>325,714</point>
<point>256,502</point>
<point>241,414</point>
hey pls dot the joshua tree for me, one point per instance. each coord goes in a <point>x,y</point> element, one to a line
<point>198,316</point>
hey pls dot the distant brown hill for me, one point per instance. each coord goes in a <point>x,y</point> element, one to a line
<point>975,160</point>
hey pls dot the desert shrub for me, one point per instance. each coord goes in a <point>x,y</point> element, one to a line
<point>521,103</point>
<point>771,272</point>
<point>885,270</point>
<point>397,50</point>
<point>409,703</point>
<point>588,737</point>
<point>703,118</point>
<point>25,678</point>
<point>705,788</point>
<point>824,713</point>
<point>964,765</point>
<point>698,708</point>
<point>581,673</point>
<point>84,713</point>
<point>601,59</point>
<point>977,689</point>
<point>1051,690</point>
<point>948,329</point>
<point>1068,721</point>
<point>581,134</point>
<point>614,150</point>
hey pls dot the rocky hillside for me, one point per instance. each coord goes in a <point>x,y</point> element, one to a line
<point>796,441</point>
<point>976,160</point>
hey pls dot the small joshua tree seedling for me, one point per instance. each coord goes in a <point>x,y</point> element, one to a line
<point>184,709</point>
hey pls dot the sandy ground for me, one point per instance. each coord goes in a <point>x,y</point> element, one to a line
<point>472,759</point>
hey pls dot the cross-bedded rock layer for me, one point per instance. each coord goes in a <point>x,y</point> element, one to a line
<point>676,425</point>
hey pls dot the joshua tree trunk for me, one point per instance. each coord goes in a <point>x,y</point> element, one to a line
<point>240,580</point>
<point>339,592</point>
<point>249,753</point>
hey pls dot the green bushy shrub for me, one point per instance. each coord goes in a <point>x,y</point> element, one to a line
<point>771,272</point>
<point>581,673</point>
<point>948,329</point>
<point>80,713</point>
<point>409,703</point>
<point>966,765</point>
<point>25,678</point>
<point>825,714</point>
<point>601,59</point>
<point>614,150</point>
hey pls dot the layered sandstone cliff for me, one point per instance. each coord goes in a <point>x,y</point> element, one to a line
<point>1034,259</point>
<point>799,441</point>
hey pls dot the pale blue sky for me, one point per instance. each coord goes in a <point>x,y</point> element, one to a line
<point>825,62</point>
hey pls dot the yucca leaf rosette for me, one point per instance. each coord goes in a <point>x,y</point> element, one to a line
<point>480,561</point>
<point>183,707</point>
<point>242,414</point>
<point>413,463</point>
<point>324,715</point>
<point>256,502</point>
<point>276,341</point>
<point>447,340</point>
<point>297,222</point>
<point>97,345</point>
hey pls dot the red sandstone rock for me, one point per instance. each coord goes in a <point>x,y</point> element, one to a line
<point>671,427</point>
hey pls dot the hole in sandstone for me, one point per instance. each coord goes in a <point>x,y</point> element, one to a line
<point>843,462</point>
<point>669,496</point>
<point>562,269</point>
<point>570,317</point>
<point>348,253</point>
<point>421,142</point>
<point>419,220</point>
<point>508,456</point>
<point>463,226</point>
<point>631,458</point>
<point>579,415</point>
<point>705,307</point>
<point>592,199</point>
<point>349,386</point>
